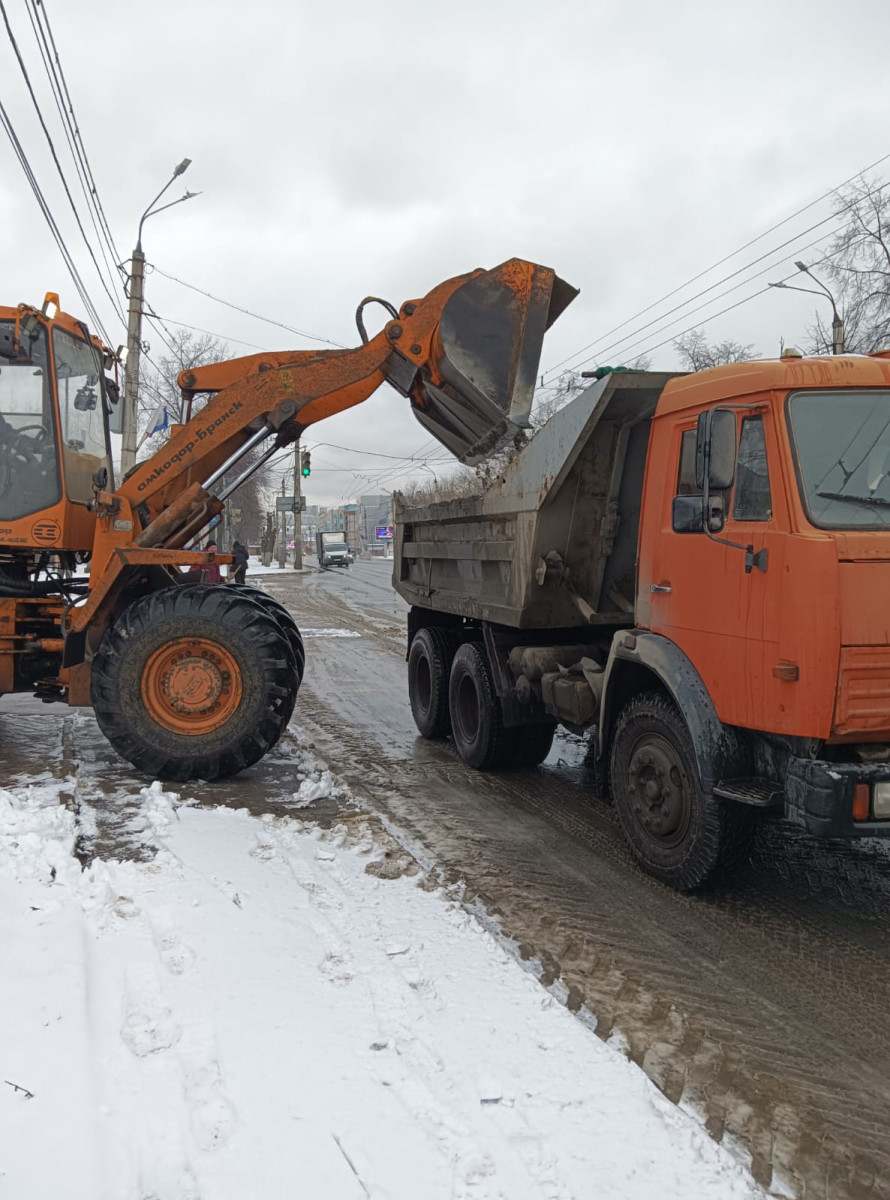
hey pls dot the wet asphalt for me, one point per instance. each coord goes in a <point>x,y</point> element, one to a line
<point>761,1005</point>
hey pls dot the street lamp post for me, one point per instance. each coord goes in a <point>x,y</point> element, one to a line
<point>134,324</point>
<point>837,321</point>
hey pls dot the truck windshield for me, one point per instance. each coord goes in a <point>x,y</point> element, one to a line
<point>29,474</point>
<point>842,440</point>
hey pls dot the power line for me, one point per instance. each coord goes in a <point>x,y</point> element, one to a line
<point>40,7</point>
<point>72,135</point>
<point>55,157</point>
<point>246,311</point>
<point>9,129</point>
<point>210,333</point>
<point>719,263</point>
<point>627,349</point>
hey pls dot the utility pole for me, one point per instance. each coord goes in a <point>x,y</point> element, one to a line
<point>298,516</point>
<point>131,376</point>
<point>134,326</point>
<point>282,550</point>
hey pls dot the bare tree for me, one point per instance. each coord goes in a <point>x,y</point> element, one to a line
<point>158,383</point>
<point>697,354</point>
<point>857,268</point>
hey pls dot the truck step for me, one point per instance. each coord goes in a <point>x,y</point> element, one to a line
<point>763,793</point>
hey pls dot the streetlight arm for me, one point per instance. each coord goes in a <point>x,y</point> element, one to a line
<point>154,212</point>
<point>177,171</point>
<point>818,282</point>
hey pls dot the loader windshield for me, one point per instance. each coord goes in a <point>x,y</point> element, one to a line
<point>81,412</point>
<point>29,475</point>
<point>842,444</point>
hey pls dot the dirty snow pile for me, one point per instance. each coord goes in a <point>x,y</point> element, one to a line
<point>259,1010</point>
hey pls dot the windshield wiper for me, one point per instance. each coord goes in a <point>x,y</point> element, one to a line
<point>877,500</point>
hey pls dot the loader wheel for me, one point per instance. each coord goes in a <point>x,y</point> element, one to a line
<point>476,721</point>
<point>193,683</point>
<point>429,665</point>
<point>288,627</point>
<point>531,744</point>
<point>677,832</point>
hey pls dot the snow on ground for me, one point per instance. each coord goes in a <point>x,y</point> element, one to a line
<point>265,1010</point>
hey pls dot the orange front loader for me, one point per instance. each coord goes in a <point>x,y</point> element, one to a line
<point>187,680</point>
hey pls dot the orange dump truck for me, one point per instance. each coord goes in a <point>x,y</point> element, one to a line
<point>696,569</point>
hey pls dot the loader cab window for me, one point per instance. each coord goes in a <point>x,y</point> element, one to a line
<point>81,412</point>
<point>29,476</point>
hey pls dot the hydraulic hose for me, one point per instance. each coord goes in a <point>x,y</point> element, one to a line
<point>21,589</point>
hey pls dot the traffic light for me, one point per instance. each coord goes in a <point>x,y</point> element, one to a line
<point>305,464</point>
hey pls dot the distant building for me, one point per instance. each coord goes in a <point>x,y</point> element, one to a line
<point>351,513</point>
<point>330,519</point>
<point>374,511</point>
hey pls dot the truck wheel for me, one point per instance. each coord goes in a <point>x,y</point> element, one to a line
<point>677,832</point>
<point>531,744</point>
<point>193,683</point>
<point>476,720</point>
<point>429,666</point>
<point>288,627</point>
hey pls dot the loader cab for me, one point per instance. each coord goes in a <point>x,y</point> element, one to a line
<point>54,438</point>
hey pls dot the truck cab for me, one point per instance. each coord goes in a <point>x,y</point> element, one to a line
<point>775,586</point>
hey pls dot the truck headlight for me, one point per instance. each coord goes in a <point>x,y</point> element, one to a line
<point>880,801</point>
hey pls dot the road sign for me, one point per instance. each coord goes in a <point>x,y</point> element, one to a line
<point>383,532</point>
<point>284,503</point>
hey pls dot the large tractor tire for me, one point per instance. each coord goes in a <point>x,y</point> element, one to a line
<point>288,627</point>
<point>677,832</point>
<point>476,720</point>
<point>429,666</point>
<point>194,682</point>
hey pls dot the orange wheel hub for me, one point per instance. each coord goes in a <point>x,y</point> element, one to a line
<point>191,686</point>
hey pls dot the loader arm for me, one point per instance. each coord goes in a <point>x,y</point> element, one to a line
<point>465,356</point>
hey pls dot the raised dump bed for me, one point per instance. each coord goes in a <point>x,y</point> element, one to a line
<point>551,544</point>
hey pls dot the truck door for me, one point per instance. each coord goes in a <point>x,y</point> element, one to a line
<point>699,594</point>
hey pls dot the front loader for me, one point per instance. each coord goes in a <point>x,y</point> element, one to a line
<point>194,681</point>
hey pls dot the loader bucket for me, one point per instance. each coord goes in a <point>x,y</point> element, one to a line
<point>476,393</point>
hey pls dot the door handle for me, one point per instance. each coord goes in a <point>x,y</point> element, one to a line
<point>660,587</point>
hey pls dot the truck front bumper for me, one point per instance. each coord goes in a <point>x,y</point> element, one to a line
<point>820,796</point>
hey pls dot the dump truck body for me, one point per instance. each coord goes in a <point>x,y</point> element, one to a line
<point>691,561</point>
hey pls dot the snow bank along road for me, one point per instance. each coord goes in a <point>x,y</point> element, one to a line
<point>202,1004</point>
<point>762,1005</point>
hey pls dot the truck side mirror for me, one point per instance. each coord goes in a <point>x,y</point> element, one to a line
<point>688,514</point>
<point>715,449</point>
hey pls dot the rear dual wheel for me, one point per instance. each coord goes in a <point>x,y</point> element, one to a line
<point>452,691</point>
<point>195,682</point>
<point>477,723</point>
<point>429,666</point>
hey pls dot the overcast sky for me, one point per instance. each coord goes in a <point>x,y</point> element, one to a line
<point>343,148</point>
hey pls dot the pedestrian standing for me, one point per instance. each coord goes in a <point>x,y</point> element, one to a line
<point>238,569</point>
